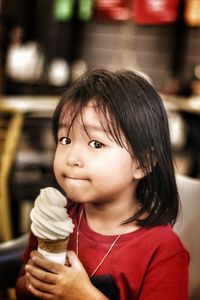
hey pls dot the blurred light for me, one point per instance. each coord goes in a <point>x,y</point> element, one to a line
<point>58,72</point>
<point>25,62</point>
<point>178,130</point>
<point>78,68</point>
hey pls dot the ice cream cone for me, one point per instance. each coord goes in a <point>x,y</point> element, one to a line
<point>55,246</point>
<point>51,224</point>
<point>54,250</point>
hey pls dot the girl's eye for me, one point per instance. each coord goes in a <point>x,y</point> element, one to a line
<point>65,140</point>
<point>96,144</point>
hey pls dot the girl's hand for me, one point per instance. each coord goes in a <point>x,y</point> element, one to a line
<point>49,280</point>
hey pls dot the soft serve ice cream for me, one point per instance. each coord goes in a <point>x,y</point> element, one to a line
<point>51,224</point>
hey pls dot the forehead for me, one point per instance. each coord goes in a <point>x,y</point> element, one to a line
<point>90,115</point>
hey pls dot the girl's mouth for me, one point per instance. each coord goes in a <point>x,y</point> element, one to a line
<point>74,177</point>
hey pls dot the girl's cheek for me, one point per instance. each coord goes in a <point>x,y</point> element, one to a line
<point>56,165</point>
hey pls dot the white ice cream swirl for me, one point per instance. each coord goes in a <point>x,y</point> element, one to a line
<point>49,216</point>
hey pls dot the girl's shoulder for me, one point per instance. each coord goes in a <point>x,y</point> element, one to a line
<point>158,243</point>
<point>164,240</point>
<point>165,235</point>
<point>157,236</point>
<point>162,235</point>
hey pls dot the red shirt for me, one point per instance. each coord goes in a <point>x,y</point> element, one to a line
<point>147,264</point>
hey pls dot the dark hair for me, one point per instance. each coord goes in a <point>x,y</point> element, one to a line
<point>137,111</point>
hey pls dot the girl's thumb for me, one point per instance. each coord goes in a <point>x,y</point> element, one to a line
<point>73,260</point>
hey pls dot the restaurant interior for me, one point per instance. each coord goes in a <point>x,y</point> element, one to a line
<point>44,46</point>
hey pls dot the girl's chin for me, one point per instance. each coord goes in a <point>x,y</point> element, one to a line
<point>78,198</point>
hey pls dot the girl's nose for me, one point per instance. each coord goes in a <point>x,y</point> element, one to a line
<point>73,158</point>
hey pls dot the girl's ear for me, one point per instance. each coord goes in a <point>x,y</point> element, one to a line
<point>138,172</point>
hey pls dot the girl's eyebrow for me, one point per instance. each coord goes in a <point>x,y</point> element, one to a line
<point>93,127</point>
<point>88,127</point>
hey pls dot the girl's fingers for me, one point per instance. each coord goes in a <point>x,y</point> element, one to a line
<point>40,274</point>
<point>45,264</point>
<point>36,253</point>
<point>74,261</point>
<point>39,293</point>
<point>37,284</point>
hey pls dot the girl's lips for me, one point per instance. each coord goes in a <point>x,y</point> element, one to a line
<point>74,177</point>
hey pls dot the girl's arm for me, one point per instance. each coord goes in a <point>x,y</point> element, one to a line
<point>49,280</point>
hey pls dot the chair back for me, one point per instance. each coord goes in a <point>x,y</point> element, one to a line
<point>187,227</point>
<point>11,260</point>
<point>10,264</point>
<point>11,122</point>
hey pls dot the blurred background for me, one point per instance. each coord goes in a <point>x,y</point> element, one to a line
<point>45,45</point>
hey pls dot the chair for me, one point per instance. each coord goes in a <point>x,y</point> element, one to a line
<point>11,122</point>
<point>187,227</point>
<point>10,263</point>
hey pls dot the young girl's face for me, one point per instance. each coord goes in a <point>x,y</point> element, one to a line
<point>90,166</point>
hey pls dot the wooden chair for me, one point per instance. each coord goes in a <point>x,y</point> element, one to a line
<point>11,122</point>
<point>188,228</point>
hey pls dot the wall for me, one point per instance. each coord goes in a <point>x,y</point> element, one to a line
<point>160,51</point>
<point>116,45</point>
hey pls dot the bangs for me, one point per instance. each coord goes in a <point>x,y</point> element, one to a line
<point>74,109</point>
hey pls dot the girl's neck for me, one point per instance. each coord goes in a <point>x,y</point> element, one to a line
<point>107,219</point>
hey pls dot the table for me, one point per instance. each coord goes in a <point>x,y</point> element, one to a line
<point>182,104</point>
<point>40,105</point>
<point>45,105</point>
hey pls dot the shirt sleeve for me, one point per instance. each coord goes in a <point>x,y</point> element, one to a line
<point>32,245</point>
<point>168,279</point>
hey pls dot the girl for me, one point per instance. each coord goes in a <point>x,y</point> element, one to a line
<point>113,161</point>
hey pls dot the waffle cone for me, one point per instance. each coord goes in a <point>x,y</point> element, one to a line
<point>53,246</point>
